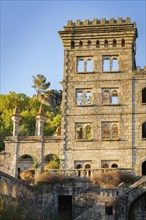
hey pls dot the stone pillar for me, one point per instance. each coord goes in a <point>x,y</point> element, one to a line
<point>40,119</point>
<point>16,118</point>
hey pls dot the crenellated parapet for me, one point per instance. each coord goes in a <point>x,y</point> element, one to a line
<point>99,22</point>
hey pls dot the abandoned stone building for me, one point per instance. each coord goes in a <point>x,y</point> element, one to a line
<point>103,107</point>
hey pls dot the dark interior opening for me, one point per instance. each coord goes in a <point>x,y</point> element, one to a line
<point>144,168</point>
<point>65,207</point>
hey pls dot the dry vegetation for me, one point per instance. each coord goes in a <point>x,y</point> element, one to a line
<point>50,177</point>
<point>111,179</point>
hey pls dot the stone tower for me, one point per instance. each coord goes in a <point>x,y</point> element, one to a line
<point>103,113</point>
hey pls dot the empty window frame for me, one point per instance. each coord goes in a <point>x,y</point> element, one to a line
<point>72,44</point>
<point>110,63</point>
<point>108,209</point>
<point>144,95</point>
<point>97,44</point>
<point>80,45</point>
<point>84,64</point>
<point>110,96</point>
<point>83,97</point>
<point>123,42</point>
<point>106,43</point>
<point>144,130</point>
<point>89,44</point>
<point>114,43</point>
<point>110,130</point>
<point>83,131</point>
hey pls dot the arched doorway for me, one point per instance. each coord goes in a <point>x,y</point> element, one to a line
<point>144,168</point>
<point>87,170</point>
<point>138,208</point>
<point>79,166</point>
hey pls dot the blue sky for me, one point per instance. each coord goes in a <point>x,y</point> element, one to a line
<point>30,43</point>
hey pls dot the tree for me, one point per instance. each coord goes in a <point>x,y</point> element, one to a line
<point>40,84</point>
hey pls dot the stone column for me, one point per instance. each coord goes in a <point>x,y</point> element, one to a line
<point>16,118</point>
<point>40,119</point>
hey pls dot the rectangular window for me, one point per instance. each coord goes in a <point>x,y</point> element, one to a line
<point>84,65</point>
<point>83,131</point>
<point>110,130</point>
<point>110,96</point>
<point>84,97</point>
<point>110,64</point>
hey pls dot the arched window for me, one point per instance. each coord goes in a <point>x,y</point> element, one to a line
<point>72,44</point>
<point>88,98</point>
<point>97,44</point>
<point>114,165</point>
<point>106,43</point>
<point>88,132</point>
<point>80,44</point>
<point>79,132</point>
<point>114,97</point>
<point>114,43</point>
<point>123,43</point>
<point>106,98</point>
<point>144,95</point>
<point>106,65</point>
<point>80,98</point>
<point>144,168</point>
<point>80,65</point>
<point>106,131</point>
<point>114,131</point>
<point>89,44</point>
<point>114,64</point>
<point>105,165</point>
<point>144,130</point>
<point>79,166</point>
<point>87,170</point>
<point>4,188</point>
<point>89,65</point>
<point>51,161</point>
<point>25,162</point>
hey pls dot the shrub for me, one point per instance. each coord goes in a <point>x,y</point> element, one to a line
<point>106,179</point>
<point>51,165</point>
<point>128,177</point>
<point>50,177</point>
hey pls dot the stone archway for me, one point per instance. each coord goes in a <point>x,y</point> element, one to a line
<point>137,209</point>
<point>144,168</point>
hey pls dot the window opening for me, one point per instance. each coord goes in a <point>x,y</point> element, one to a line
<point>106,65</point>
<point>114,64</point>
<point>80,98</point>
<point>110,130</point>
<point>108,209</point>
<point>88,98</point>
<point>89,44</point>
<point>80,44</point>
<point>79,166</point>
<point>79,132</point>
<point>114,97</point>
<point>89,65</point>
<point>114,165</point>
<point>114,43</point>
<point>114,131</point>
<point>106,97</point>
<point>97,44</point>
<point>88,171</point>
<point>88,132</point>
<point>65,207</point>
<point>72,44</point>
<point>106,44</point>
<point>144,130</point>
<point>144,95</point>
<point>105,165</point>
<point>80,65</point>
<point>123,43</point>
<point>144,168</point>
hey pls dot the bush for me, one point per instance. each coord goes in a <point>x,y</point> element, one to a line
<point>128,177</point>
<point>108,179</point>
<point>49,177</point>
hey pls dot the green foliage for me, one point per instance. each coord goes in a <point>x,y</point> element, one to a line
<point>15,211</point>
<point>29,108</point>
<point>40,84</point>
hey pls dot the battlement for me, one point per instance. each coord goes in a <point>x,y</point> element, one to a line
<point>99,22</point>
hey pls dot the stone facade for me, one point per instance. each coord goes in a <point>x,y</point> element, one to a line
<point>103,120</point>
<point>103,104</point>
